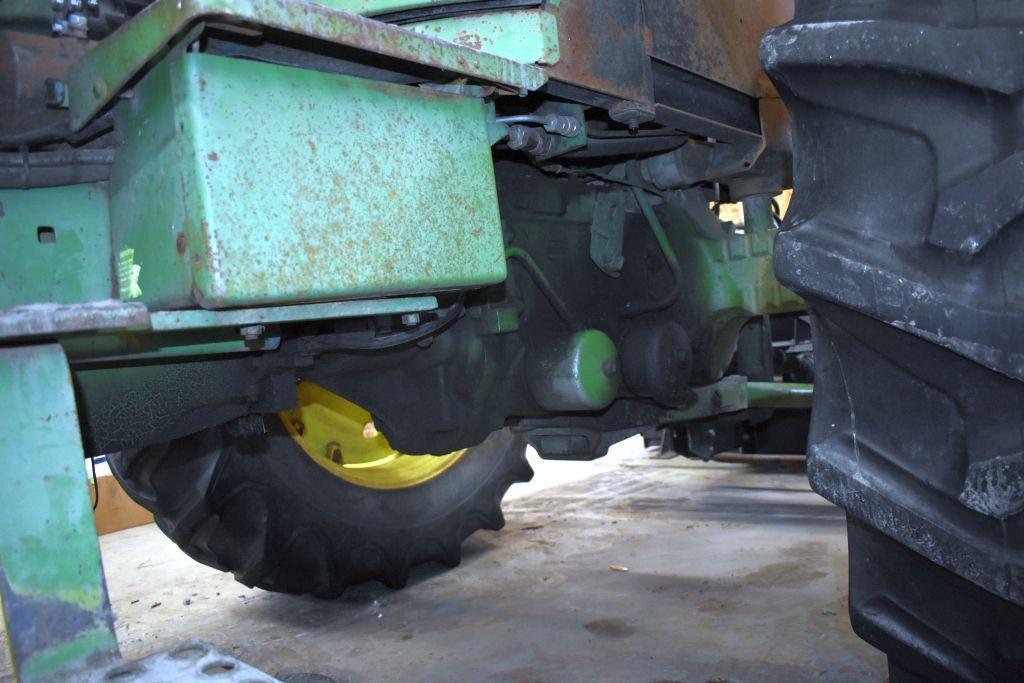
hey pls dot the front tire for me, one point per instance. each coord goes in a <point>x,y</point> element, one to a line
<point>261,508</point>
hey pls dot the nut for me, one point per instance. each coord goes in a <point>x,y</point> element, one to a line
<point>252,332</point>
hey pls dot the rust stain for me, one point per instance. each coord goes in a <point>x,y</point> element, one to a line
<point>212,156</point>
<point>312,145</point>
<point>181,243</point>
<point>597,49</point>
<point>471,40</point>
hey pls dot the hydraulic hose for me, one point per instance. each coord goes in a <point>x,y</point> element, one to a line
<point>633,309</point>
<point>543,284</point>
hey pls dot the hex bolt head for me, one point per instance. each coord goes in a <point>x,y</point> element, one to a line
<point>56,93</point>
<point>411,319</point>
<point>59,26</point>
<point>74,5</point>
<point>78,21</point>
<point>252,332</point>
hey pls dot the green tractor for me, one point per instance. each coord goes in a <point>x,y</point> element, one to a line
<point>314,275</point>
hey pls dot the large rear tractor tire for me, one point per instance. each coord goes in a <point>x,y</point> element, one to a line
<point>905,237</point>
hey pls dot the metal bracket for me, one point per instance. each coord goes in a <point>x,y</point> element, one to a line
<point>47,320</point>
<point>606,232</point>
<point>98,76</point>
<point>192,661</point>
<point>54,597</point>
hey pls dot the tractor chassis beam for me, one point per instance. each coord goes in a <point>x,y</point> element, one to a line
<point>101,74</point>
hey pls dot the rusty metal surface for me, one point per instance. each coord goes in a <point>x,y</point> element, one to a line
<point>345,188</point>
<point>602,46</point>
<point>26,61</point>
<point>100,75</point>
<point>39,320</point>
<point>716,39</point>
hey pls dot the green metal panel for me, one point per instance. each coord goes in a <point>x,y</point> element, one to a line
<point>342,188</point>
<point>97,77</point>
<point>51,580</point>
<point>201,319</point>
<point>67,264</point>
<point>529,36</point>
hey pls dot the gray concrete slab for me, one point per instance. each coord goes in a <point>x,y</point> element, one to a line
<point>735,574</point>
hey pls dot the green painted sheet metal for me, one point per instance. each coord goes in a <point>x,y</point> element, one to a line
<point>201,319</point>
<point>130,346</point>
<point>56,245</point>
<point>51,580</point>
<point>529,36</point>
<point>343,188</point>
<point>96,78</point>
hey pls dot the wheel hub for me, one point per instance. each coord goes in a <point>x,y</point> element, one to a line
<point>340,437</point>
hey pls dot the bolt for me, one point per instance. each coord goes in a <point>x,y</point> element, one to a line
<point>530,140</point>
<point>59,26</point>
<point>78,21</point>
<point>74,5</point>
<point>93,5</point>
<point>57,5</point>
<point>567,126</point>
<point>252,332</point>
<point>411,319</point>
<point>631,113</point>
<point>56,93</point>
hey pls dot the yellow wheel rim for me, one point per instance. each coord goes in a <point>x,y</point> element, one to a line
<point>340,437</point>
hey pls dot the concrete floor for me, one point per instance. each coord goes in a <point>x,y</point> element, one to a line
<point>735,574</point>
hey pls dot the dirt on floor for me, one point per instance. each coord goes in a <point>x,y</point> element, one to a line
<point>626,569</point>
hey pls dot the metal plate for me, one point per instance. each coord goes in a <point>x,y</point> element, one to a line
<point>56,245</point>
<point>244,183</point>
<point>192,661</point>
